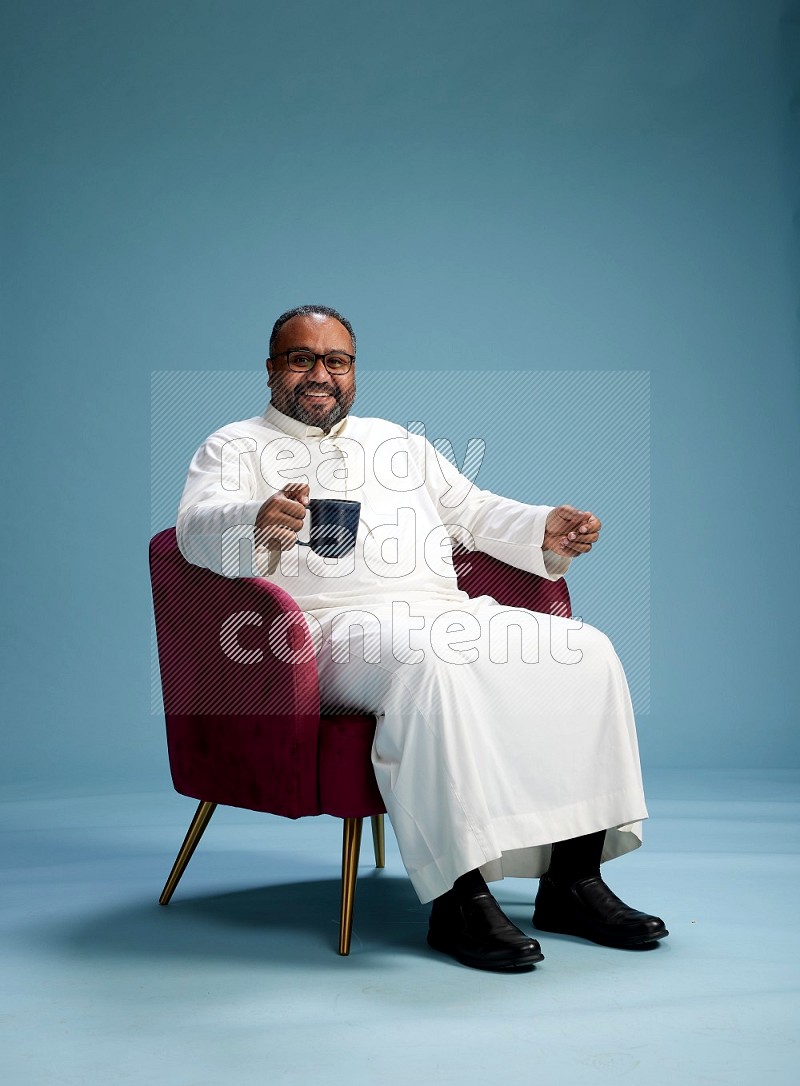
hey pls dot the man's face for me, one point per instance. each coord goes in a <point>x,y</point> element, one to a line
<point>317,398</point>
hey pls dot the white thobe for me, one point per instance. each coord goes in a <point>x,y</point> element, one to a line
<point>499,731</point>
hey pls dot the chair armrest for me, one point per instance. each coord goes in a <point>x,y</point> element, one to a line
<point>481,575</point>
<point>242,713</point>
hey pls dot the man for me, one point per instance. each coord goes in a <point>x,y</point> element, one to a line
<point>489,764</point>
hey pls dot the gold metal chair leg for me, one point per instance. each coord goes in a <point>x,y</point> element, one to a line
<point>351,847</point>
<point>379,840</point>
<point>201,819</point>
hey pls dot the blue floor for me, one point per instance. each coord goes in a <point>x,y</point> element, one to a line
<point>238,981</point>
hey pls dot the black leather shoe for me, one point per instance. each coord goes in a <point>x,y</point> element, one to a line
<point>477,932</point>
<point>590,910</point>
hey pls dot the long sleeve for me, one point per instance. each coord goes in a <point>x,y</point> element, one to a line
<point>509,530</point>
<point>217,515</point>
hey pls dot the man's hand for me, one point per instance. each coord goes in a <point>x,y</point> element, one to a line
<point>569,531</point>
<point>281,517</point>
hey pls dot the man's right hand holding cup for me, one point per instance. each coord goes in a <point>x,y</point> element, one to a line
<point>281,517</point>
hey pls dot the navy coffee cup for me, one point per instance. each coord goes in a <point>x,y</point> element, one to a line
<point>334,526</point>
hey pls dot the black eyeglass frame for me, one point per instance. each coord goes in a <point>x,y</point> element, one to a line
<point>323,357</point>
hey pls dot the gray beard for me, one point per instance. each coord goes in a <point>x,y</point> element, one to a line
<point>326,421</point>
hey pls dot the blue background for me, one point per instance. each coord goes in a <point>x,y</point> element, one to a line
<point>521,186</point>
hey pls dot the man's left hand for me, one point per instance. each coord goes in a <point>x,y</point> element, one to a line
<point>570,531</point>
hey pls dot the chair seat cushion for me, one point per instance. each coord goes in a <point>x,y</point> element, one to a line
<point>347,785</point>
<point>244,760</point>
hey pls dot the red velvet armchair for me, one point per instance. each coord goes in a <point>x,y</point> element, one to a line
<point>242,705</point>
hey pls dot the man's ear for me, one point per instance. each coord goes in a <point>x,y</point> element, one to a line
<point>269,373</point>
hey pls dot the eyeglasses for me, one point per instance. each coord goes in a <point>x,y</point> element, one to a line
<point>302,361</point>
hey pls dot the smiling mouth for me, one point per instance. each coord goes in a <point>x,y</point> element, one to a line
<point>318,394</point>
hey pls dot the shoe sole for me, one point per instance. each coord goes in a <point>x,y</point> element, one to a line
<point>617,944</point>
<point>522,965</point>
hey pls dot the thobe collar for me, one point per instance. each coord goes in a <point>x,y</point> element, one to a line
<point>275,418</point>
